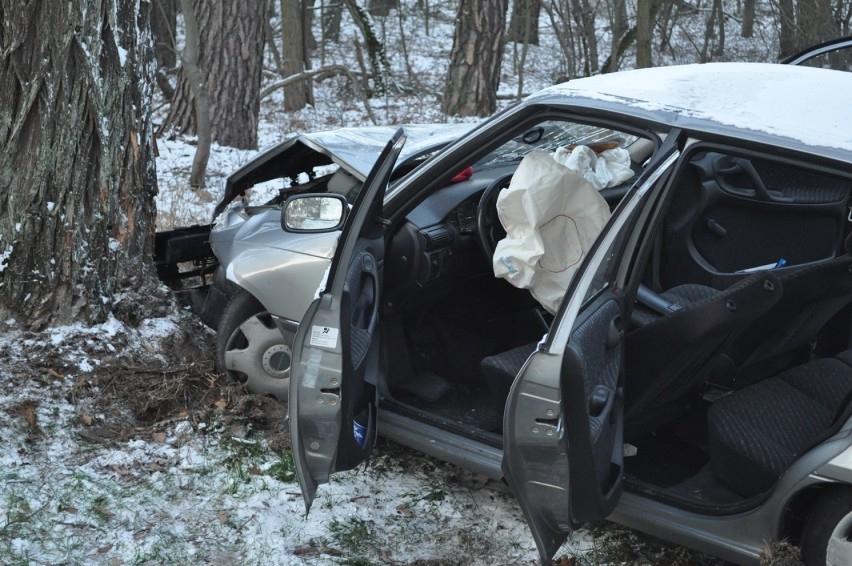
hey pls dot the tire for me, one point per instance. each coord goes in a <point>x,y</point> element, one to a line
<point>828,529</point>
<point>251,350</point>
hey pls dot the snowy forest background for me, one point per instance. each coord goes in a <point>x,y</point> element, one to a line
<point>120,443</point>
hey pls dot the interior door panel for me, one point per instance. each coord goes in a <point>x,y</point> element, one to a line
<point>732,215</point>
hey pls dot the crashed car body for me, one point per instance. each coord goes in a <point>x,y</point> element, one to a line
<point>695,381</point>
<point>245,259</point>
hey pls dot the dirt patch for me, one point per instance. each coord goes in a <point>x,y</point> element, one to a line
<point>133,378</point>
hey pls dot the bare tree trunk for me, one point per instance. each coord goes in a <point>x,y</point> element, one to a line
<point>562,28</point>
<point>381,8</point>
<point>201,102</point>
<point>379,65</point>
<point>231,57</point>
<point>644,25</point>
<point>269,38</point>
<point>787,33</point>
<point>523,27</point>
<point>474,72</point>
<point>584,15</point>
<point>77,166</point>
<point>299,94</point>
<point>669,12</point>
<point>814,22</point>
<point>714,39</point>
<point>331,10</point>
<point>163,24</point>
<point>747,29</point>
<point>619,29</point>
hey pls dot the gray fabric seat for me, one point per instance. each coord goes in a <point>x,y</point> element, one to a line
<point>500,370</point>
<point>682,296</point>
<point>665,358</point>
<point>755,433</point>
<point>813,294</point>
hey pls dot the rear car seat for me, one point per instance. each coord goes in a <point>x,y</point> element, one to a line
<point>755,433</point>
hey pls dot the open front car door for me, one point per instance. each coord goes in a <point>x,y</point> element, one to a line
<point>335,361</point>
<point>563,424</point>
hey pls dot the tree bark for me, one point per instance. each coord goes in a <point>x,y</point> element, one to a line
<point>77,167</point>
<point>379,64</point>
<point>201,101</point>
<point>787,28</point>
<point>474,72</point>
<point>619,30</point>
<point>231,58</point>
<point>584,15</point>
<point>163,25</point>
<point>523,27</point>
<point>644,26</point>
<point>298,94</point>
<point>331,11</point>
<point>381,8</point>
<point>747,29</point>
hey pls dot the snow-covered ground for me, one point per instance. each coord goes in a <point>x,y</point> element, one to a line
<point>113,452</point>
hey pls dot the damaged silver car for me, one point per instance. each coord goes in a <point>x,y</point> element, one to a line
<point>694,378</point>
<point>252,281</point>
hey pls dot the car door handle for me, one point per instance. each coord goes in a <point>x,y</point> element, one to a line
<point>615,333</point>
<point>600,401</point>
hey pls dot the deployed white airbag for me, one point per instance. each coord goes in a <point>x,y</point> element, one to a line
<point>605,169</point>
<point>552,215</point>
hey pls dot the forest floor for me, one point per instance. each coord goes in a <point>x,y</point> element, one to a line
<point>122,444</point>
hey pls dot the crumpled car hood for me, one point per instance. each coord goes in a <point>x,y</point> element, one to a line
<point>354,149</point>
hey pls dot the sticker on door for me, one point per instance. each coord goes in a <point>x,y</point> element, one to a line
<point>324,336</point>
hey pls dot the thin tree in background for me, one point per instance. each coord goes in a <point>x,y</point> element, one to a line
<point>294,55</point>
<point>619,30</point>
<point>163,26</point>
<point>473,75</point>
<point>200,98</point>
<point>77,167</point>
<point>747,28</point>
<point>644,28</point>
<point>231,42</point>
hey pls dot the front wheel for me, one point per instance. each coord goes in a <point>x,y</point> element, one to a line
<point>251,350</point>
<point>827,536</point>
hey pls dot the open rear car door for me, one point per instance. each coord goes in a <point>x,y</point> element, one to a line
<point>335,361</point>
<point>563,423</point>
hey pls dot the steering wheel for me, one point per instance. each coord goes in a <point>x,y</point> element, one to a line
<point>488,227</point>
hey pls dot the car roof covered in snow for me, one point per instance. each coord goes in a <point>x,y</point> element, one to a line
<point>801,108</point>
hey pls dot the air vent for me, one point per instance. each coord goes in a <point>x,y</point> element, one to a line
<point>436,237</point>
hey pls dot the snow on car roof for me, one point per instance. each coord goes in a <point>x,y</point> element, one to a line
<point>804,104</point>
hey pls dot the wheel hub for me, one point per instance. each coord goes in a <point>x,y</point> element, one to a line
<point>839,550</point>
<point>276,361</point>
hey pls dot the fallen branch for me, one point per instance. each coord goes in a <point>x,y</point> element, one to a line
<point>322,72</point>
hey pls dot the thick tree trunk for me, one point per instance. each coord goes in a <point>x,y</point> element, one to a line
<point>231,58</point>
<point>296,95</point>
<point>523,27</point>
<point>474,72</point>
<point>77,165</point>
